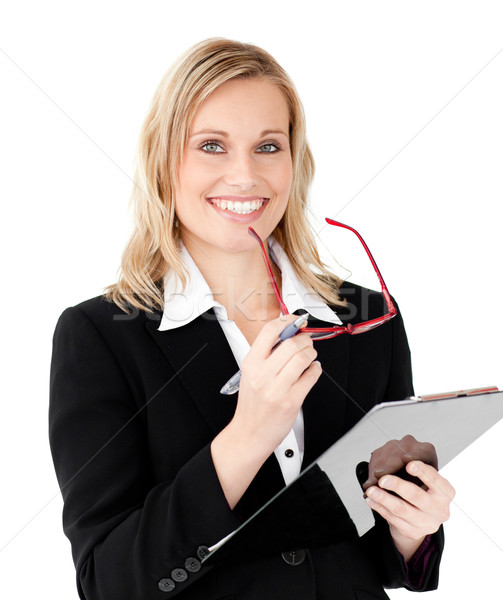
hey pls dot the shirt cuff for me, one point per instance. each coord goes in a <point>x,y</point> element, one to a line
<point>417,566</point>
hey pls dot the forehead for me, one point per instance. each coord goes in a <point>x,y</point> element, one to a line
<point>243,104</point>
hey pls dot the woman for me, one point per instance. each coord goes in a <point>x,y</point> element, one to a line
<point>155,465</point>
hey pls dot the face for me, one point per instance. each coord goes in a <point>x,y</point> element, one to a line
<point>236,169</point>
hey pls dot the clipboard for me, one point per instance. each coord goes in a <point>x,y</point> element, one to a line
<point>450,421</point>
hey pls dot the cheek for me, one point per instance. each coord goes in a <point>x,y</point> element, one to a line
<point>185,193</point>
<point>284,179</point>
<point>198,172</point>
<point>191,177</point>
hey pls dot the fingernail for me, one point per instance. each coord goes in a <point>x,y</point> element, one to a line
<point>373,491</point>
<point>370,502</point>
<point>317,362</point>
<point>413,468</point>
<point>384,481</point>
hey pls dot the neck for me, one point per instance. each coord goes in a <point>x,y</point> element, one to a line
<point>239,281</point>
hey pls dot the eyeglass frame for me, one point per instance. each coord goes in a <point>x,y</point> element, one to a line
<point>337,330</point>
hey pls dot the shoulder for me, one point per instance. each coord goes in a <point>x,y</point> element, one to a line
<point>362,304</point>
<point>97,337</point>
<point>98,307</point>
<point>101,309</point>
<point>105,318</point>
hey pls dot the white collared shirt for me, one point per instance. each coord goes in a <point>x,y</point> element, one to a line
<point>181,308</point>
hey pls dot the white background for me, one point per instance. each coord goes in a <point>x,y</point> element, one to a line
<point>404,106</point>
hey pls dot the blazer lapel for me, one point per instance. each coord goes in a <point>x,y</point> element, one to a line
<point>202,361</point>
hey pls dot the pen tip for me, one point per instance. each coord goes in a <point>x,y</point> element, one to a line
<point>304,317</point>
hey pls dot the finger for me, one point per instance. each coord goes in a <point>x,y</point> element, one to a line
<point>433,507</point>
<point>269,336</point>
<point>394,504</point>
<point>403,515</point>
<point>435,483</point>
<point>307,380</point>
<point>407,490</point>
<point>280,372</point>
<point>285,351</point>
<point>405,528</point>
<point>295,366</point>
<point>284,370</point>
<point>398,511</point>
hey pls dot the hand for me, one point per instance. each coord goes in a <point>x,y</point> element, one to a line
<point>274,384</point>
<point>394,455</point>
<point>272,389</point>
<point>416,512</point>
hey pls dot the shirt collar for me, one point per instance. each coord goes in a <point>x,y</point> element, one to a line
<point>182,307</point>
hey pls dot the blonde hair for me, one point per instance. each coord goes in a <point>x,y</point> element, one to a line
<point>154,247</point>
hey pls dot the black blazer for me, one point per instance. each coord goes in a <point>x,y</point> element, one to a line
<point>132,414</point>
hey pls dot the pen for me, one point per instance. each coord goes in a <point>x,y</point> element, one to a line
<point>232,386</point>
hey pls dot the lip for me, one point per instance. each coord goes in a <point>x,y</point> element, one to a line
<point>236,218</point>
<point>237,198</point>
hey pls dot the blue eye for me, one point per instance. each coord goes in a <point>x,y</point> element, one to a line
<point>269,148</point>
<point>211,148</point>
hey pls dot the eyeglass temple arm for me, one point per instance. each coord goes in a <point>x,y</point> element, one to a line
<point>282,305</point>
<point>387,296</point>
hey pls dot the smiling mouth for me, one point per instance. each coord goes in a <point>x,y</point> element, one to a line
<point>239,208</point>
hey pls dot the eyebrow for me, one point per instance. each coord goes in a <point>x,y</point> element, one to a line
<point>226,135</point>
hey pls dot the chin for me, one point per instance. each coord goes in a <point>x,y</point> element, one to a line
<point>237,241</point>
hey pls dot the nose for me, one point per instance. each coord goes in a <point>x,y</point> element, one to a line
<point>241,172</point>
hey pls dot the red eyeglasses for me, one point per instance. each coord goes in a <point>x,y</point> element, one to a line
<point>324,333</point>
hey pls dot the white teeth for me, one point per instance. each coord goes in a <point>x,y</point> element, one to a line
<point>240,208</point>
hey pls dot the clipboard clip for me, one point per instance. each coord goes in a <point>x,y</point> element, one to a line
<point>456,394</point>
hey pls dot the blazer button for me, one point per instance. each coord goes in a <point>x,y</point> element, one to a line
<point>192,565</point>
<point>294,557</point>
<point>202,552</point>
<point>179,575</point>
<point>166,585</point>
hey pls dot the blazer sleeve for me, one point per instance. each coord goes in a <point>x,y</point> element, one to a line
<point>378,541</point>
<point>129,540</point>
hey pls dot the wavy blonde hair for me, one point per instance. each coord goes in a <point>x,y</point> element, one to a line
<point>154,247</point>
